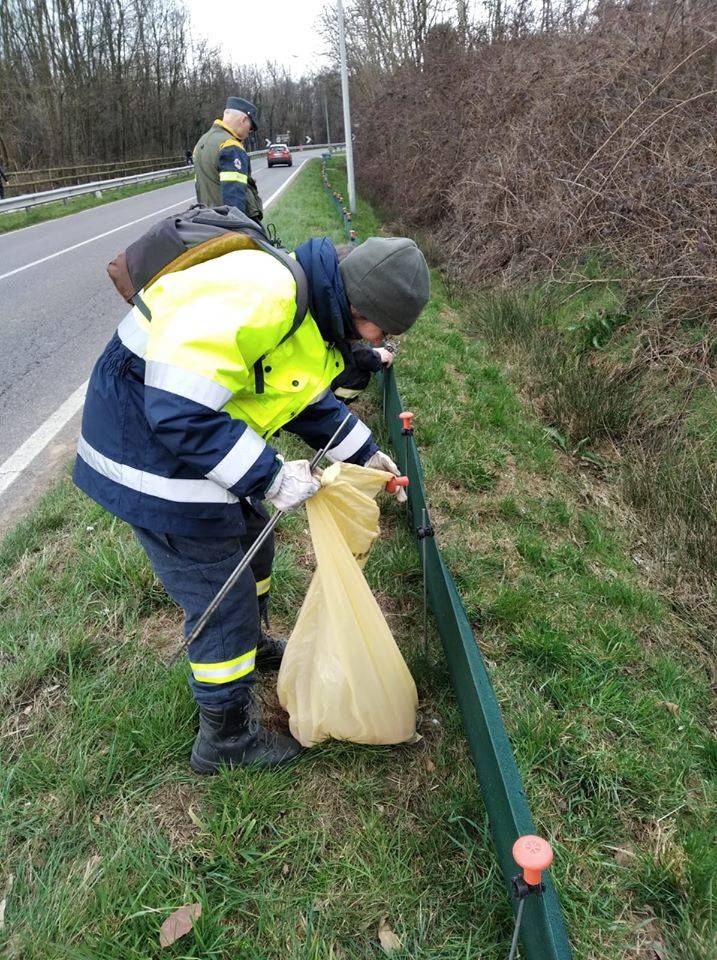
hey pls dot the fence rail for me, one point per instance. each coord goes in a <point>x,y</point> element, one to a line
<point>38,181</point>
<point>28,200</point>
<point>121,164</point>
<point>543,933</point>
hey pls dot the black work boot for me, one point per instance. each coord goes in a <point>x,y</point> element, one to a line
<point>269,650</point>
<point>233,736</point>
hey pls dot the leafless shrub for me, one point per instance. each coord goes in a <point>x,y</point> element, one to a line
<point>525,153</point>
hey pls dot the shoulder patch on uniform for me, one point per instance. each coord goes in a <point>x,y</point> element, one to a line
<point>229,143</point>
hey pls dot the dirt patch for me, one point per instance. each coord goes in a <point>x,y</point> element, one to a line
<point>162,632</point>
<point>273,716</point>
<point>172,807</point>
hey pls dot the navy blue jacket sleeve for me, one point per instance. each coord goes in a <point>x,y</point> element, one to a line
<point>211,442</point>
<point>365,358</point>
<point>234,175</point>
<point>316,424</point>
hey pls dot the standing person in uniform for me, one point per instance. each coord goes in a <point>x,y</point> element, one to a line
<point>221,164</point>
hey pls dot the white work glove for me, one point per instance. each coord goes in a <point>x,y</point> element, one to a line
<point>385,355</point>
<point>381,461</point>
<point>292,485</point>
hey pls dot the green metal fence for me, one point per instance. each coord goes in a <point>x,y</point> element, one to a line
<point>543,933</point>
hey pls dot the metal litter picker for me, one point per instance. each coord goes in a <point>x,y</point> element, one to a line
<point>251,552</point>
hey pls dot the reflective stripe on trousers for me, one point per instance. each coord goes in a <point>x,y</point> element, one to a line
<point>263,586</point>
<point>226,670</point>
<point>192,570</point>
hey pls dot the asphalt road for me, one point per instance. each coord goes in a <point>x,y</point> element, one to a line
<point>57,310</point>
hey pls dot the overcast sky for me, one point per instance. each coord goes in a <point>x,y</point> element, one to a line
<point>281,30</point>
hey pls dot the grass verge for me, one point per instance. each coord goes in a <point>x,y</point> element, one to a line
<point>626,394</point>
<point>104,828</point>
<point>17,219</point>
<point>603,674</point>
<point>602,685</point>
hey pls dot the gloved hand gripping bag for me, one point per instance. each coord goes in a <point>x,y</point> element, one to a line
<point>343,676</point>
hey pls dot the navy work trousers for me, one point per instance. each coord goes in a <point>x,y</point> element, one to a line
<point>192,570</point>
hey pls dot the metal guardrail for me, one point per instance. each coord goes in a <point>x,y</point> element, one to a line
<point>28,200</point>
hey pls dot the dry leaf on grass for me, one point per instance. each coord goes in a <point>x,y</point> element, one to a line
<point>196,820</point>
<point>624,855</point>
<point>387,938</point>
<point>179,923</point>
<point>674,708</point>
<point>659,949</point>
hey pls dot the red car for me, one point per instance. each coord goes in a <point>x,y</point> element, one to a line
<point>279,153</point>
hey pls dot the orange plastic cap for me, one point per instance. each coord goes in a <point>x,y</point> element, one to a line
<point>406,419</point>
<point>534,855</point>
<point>396,482</point>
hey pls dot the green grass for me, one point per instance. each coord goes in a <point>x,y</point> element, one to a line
<point>600,679</point>
<point>621,393</point>
<point>17,219</point>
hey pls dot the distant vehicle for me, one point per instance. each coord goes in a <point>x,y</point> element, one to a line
<point>279,153</point>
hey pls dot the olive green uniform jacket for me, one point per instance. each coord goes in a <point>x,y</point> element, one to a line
<point>223,172</point>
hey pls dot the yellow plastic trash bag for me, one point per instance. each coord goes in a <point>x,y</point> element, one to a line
<point>342,675</point>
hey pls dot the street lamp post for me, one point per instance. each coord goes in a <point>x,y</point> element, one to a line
<point>347,108</point>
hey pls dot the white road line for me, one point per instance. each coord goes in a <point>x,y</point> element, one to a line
<point>36,442</point>
<point>117,202</point>
<point>51,256</point>
<point>21,459</point>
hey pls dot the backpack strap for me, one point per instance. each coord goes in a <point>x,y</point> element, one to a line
<point>302,287</point>
<point>231,219</point>
<point>302,304</point>
<point>197,234</point>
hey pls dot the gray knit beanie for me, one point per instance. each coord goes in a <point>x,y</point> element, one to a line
<point>387,281</point>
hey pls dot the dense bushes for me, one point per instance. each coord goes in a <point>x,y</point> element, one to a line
<point>520,154</point>
<point>580,164</point>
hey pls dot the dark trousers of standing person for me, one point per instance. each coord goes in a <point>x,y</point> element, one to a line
<point>192,571</point>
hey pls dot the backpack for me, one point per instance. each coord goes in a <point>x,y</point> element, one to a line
<point>186,239</point>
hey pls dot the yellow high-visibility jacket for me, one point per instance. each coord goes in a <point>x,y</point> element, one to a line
<point>185,396</point>
<point>217,319</point>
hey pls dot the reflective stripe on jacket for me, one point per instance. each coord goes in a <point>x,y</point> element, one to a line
<point>180,406</point>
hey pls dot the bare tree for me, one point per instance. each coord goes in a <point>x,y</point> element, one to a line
<point>101,80</point>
